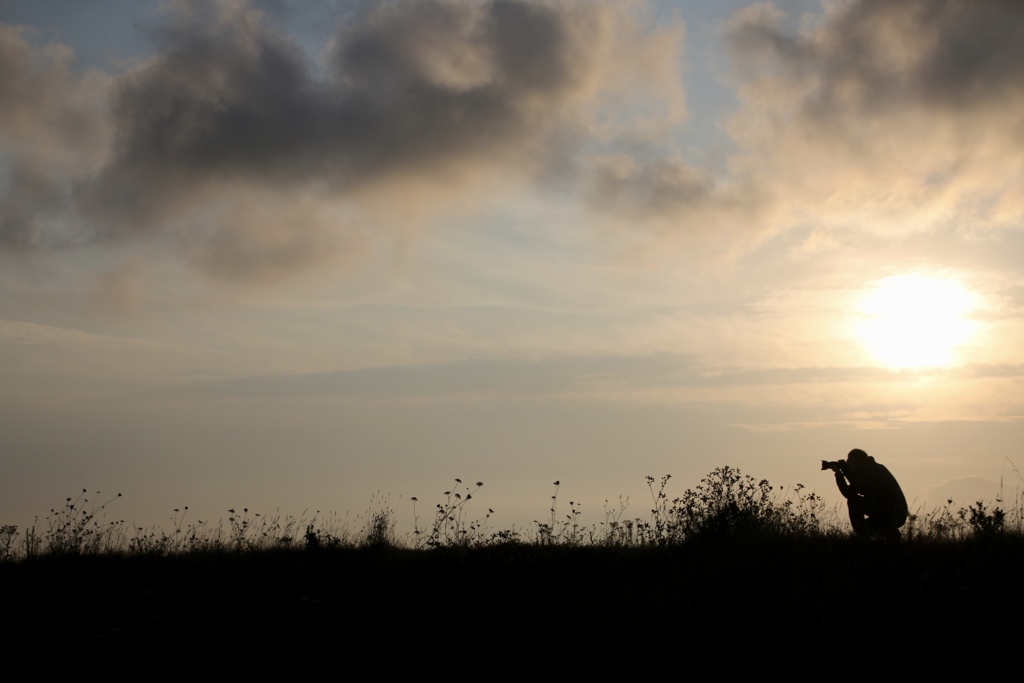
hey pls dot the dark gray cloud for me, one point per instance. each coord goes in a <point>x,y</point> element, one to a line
<point>230,113</point>
<point>659,188</point>
<point>52,128</point>
<point>412,89</point>
<point>670,195</point>
<point>225,99</point>
<point>27,205</point>
<point>873,55</point>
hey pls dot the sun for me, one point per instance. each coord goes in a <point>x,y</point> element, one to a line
<point>916,320</point>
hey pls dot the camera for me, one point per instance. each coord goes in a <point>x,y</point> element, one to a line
<point>834,465</point>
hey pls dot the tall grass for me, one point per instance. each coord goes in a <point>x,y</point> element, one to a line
<point>726,504</point>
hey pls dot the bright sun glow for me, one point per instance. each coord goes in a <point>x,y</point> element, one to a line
<point>916,321</point>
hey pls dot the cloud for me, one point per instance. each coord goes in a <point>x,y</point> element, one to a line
<point>624,186</point>
<point>888,116</point>
<point>53,127</point>
<point>256,159</point>
<point>870,56</point>
<point>669,196</point>
<point>259,160</point>
<point>873,116</point>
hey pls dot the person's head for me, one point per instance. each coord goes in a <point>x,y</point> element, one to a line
<point>857,459</point>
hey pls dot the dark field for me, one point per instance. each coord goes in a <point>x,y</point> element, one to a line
<point>513,603</point>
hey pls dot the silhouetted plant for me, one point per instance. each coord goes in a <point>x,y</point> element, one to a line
<point>321,539</point>
<point>986,523</point>
<point>806,514</point>
<point>940,524</point>
<point>452,525</point>
<point>238,529</point>
<point>546,534</point>
<point>74,529</point>
<point>33,543</point>
<point>726,503</point>
<point>8,537</point>
<point>729,503</point>
<point>379,527</point>
<point>617,531</point>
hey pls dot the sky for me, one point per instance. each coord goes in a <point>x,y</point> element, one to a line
<point>302,256</point>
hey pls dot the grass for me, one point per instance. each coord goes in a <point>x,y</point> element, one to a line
<point>724,505</point>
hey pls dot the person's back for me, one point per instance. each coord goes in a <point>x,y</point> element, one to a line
<point>876,501</point>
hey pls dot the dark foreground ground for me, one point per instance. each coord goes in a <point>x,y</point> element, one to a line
<point>515,610</point>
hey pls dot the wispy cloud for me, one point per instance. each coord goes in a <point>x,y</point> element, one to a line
<point>891,117</point>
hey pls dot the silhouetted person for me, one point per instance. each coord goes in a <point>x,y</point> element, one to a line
<point>876,501</point>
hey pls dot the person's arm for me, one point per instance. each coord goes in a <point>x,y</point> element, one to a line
<point>844,487</point>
